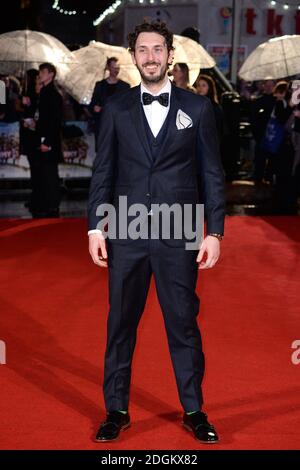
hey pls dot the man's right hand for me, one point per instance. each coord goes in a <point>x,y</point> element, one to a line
<point>97,249</point>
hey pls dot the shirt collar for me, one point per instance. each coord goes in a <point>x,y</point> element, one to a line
<point>165,89</point>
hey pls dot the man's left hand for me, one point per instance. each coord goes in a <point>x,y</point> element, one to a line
<point>210,246</point>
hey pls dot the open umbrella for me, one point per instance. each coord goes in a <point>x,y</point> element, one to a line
<point>24,49</point>
<point>276,58</point>
<point>128,71</point>
<point>90,68</point>
<point>193,54</point>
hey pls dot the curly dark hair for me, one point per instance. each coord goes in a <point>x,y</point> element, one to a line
<point>153,27</point>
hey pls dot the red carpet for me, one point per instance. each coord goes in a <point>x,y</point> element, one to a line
<point>53,321</point>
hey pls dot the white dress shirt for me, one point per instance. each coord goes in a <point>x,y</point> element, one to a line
<point>156,115</point>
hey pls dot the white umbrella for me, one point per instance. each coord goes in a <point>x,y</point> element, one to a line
<point>128,71</point>
<point>82,76</point>
<point>81,79</point>
<point>276,58</point>
<point>24,49</point>
<point>193,54</point>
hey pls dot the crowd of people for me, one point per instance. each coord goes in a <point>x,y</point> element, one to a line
<point>39,110</point>
<point>41,107</point>
<point>275,123</point>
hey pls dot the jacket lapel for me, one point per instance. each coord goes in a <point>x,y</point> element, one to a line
<point>137,117</point>
<point>171,125</point>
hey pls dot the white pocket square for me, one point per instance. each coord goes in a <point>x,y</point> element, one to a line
<point>183,120</point>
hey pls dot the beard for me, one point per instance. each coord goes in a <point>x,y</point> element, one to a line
<point>148,79</point>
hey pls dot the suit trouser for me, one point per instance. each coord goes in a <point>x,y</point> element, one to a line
<point>175,271</point>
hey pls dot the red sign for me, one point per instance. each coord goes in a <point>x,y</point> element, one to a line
<point>250,16</point>
<point>297,17</point>
<point>274,22</point>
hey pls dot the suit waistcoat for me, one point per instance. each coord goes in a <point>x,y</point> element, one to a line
<point>155,143</point>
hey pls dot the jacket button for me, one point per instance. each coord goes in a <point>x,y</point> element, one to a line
<point>148,194</point>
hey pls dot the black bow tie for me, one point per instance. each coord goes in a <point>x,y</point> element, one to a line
<point>163,99</point>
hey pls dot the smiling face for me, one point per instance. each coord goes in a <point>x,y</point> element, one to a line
<point>151,57</point>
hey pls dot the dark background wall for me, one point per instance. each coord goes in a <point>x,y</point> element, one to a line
<point>39,15</point>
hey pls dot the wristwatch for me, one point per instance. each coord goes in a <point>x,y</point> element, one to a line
<point>217,235</point>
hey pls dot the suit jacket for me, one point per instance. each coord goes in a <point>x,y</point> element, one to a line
<point>100,93</point>
<point>124,164</point>
<point>261,110</point>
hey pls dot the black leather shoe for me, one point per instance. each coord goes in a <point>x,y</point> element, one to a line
<point>199,425</point>
<point>111,428</point>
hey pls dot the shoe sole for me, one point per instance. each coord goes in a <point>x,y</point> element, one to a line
<point>116,438</point>
<point>186,426</point>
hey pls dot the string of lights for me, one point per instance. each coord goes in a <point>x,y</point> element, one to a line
<point>56,6</point>
<point>284,4</point>
<point>110,10</point>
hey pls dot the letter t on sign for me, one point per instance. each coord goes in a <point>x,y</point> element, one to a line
<point>250,16</point>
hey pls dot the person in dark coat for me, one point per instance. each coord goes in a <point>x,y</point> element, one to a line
<point>206,86</point>
<point>261,109</point>
<point>28,135</point>
<point>103,90</point>
<point>281,163</point>
<point>49,151</point>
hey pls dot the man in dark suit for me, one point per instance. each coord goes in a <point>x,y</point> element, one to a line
<point>150,140</point>
<point>104,90</point>
<point>49,151</point>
